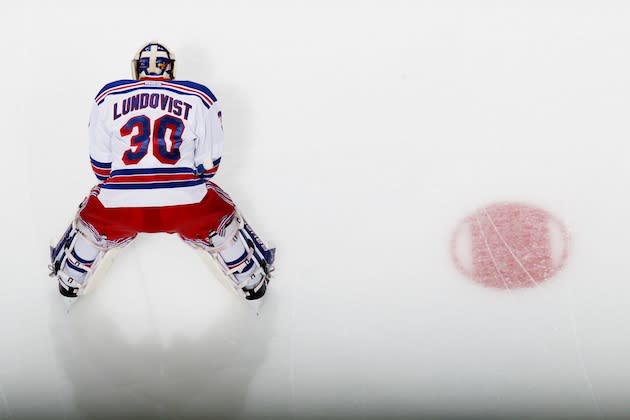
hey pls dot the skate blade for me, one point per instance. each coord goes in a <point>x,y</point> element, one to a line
<point>68,303</point>
<point>256,305</point>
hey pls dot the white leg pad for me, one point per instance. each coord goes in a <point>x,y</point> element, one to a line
<point>76,256</point>
<point>235,255</point>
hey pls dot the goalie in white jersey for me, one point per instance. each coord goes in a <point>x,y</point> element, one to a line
<point>155,142</point>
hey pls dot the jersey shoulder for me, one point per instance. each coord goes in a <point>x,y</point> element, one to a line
<point>184,87</point>
<point>195,86</point>
<point>116,86</point>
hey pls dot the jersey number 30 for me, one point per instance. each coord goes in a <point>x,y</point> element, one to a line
<point>140,141</point>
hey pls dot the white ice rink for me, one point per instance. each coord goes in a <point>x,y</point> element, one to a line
<point>358,136</point>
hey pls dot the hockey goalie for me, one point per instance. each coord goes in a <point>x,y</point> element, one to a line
<point>155,144</point>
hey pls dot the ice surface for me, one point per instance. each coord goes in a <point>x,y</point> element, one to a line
<point>358,136</point>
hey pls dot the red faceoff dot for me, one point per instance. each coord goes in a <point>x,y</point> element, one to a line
<point>510,246</point>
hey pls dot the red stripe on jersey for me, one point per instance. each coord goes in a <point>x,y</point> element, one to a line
<point>101,171</point>
<point>151,178</point>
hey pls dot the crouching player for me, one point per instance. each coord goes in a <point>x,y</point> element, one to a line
<point>155,142</point>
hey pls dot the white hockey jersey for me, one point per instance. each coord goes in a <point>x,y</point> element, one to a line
<point>154,142</point>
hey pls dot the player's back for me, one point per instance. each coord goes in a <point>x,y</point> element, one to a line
<point>151,132</point>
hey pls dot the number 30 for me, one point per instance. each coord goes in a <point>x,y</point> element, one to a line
<point>140,142</point>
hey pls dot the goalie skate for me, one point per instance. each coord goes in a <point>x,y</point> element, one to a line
<point>63,255</point>
<point>256,261</point>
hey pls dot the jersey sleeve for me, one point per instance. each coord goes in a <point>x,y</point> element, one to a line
<point>100,149</point>
<point>210,142</point>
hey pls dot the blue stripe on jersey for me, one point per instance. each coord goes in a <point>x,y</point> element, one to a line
<point>180,92</point>
<point>201,168</point>
<point>149,171</point>
<point>114,84</point>
<point>194,85</point>
<point>152,185</point>
<point>102,165</point>
<point>101,177</point>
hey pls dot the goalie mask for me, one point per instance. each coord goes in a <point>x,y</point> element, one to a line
<point>153,60</point>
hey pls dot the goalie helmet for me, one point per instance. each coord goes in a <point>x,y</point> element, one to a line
<point>153,60</point>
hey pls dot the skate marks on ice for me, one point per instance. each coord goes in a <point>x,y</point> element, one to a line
<point>510,246</point>
<point>113,378</point>
<point>513,246</point>
<point>5,409</point>
<point>115,375</point>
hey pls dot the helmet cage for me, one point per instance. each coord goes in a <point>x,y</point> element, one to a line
<point>153,60</point>
<point>163,64</point>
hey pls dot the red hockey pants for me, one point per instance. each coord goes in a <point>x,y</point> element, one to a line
<point>191,221</point>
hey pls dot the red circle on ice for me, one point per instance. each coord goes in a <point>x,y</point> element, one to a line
<point>510,245</point>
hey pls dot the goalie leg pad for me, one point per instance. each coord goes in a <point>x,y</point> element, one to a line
<point>242,256</point>
<point>265,256</point>
<point>74,258</point>
<point>238,258</point>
